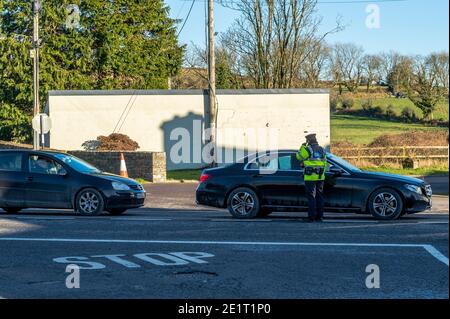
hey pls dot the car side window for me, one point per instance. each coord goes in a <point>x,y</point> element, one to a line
<point>43,165</point>
<point>11,162</point>
<point>274,162</point>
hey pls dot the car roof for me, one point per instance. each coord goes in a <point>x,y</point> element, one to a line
<point>45,152</point>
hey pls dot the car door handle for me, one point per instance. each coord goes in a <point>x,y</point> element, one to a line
<point>256,175</point>
<point>30,178</point>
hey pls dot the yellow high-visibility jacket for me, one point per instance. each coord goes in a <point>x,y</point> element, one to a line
<point>314,159</point>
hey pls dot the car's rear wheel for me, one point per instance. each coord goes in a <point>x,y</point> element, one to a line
<point>89,202</point>
<point>12,210</point>
<point>117,211</point>
<point>243,203</point>
<point>385,204</point>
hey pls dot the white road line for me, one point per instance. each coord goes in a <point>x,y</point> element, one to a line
<point>385,225</point>
<point>429,248</point>
<point>44,217</point>
<point>139,219</point>
<point>436,254</point>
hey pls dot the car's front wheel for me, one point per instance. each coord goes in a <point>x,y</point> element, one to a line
<point>385,204</point>
<point>89,202</point>
<point>243,203</point>
<point>12,210</point>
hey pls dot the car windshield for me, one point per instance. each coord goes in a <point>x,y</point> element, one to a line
<point>77,164</point>
<point>343,163</point>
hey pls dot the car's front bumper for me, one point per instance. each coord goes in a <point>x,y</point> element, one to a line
<point>126,199</point>
<point>418,202</point>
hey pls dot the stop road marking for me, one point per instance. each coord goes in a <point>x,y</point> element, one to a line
<point>158,259</point>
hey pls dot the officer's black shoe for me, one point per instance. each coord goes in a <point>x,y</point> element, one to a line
<point>319,219</point>
<point>310,220</point>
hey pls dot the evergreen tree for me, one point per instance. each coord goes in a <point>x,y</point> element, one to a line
<point>99,44</point>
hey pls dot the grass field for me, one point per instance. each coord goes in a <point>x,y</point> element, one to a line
<point>441,111</point>
<point>363,130</point>
<point>185,174</point>
<point>425,171</point>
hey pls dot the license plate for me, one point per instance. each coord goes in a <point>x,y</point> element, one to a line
<point>140,195</point>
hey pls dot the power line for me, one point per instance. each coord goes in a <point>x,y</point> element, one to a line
<point>187,17</point>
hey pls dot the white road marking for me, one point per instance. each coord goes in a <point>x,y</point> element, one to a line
<point>429,248</point>
<point>139,219</point>
<point>385,225</point>
<point>43,217</point>
<point>436,254</point>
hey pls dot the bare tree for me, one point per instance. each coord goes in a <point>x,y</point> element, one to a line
<point>273,38</point>
<point>372,68</point>
<point>439,65</point>
<point>312,71</point>
<point>400,76</point>
<point>347,65</point>
<point>388,61</point>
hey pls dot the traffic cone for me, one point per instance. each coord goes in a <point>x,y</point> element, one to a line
<point>123,166</point>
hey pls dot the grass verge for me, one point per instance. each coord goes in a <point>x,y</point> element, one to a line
<point>363,130</point>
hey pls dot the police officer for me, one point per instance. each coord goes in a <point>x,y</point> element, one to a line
<point>314,160</point>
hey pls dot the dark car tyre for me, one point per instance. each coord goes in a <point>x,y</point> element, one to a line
<point>385,204</point>
<point>243,203</point>
<point>12,210</point>
<point>264,212</point>
<point>116,211</point>
<point>89,202</point>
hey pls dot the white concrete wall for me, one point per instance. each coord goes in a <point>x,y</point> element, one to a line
<point>79,116</point>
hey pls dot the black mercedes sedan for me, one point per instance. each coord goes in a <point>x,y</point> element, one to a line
<point>263,183</point>
<point>41,179</point>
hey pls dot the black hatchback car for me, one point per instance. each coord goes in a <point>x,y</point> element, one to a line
<point>261,184</point>
<point>41,179</point>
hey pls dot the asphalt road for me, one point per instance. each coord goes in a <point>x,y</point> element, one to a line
<point>201,253</point>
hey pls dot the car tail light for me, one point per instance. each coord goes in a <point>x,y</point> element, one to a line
<point>204,177</point>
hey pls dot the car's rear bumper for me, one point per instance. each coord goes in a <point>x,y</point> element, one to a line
<point>209,197</point>
<point>126,200</point>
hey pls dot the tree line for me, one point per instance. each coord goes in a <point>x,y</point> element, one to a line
<point>277,44</point>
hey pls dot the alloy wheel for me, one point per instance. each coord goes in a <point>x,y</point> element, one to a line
<point>242,203</point>
<point>385,204</point>
<point>89,202</point>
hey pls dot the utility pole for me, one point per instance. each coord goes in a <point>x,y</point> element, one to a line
<point>211,115</point>
<point>36,9</point>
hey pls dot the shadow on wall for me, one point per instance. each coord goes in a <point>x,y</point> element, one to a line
<point>183,141</point>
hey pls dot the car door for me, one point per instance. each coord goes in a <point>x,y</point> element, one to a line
<point>12,179</point>
<point>277,180</point>
<point>338,187</point>
<point>46,185</point>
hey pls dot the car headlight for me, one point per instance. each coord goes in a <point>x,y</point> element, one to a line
<point>118,186</point>
<point>414,188</point>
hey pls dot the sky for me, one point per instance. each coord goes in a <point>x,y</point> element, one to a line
<point>406,26</point>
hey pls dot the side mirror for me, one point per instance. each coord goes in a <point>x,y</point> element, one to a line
<point>62,172</point>
<point>336,171</point>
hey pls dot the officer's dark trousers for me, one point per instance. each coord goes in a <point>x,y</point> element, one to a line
<point>314,192</point>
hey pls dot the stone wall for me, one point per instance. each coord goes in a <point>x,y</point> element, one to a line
<point>150,166</point>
